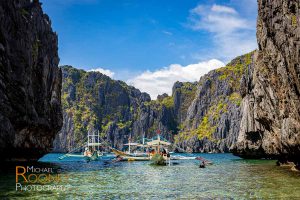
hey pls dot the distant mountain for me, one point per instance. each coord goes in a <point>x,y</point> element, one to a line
<point>93,101</point>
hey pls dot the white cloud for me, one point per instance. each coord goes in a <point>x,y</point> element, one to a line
<point>232,34</point>
<point>225,9</point>
<point>107,72</point>
<point>162,80</point>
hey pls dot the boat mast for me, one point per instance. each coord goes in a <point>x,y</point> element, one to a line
<point>158,138</point>
<point>98,140</point>
<point>129,141</point>
<point>88,144</point>
<point>143,141</point>
<point>92,138</point>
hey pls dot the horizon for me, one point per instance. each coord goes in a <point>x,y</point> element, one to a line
<point>152,47</point>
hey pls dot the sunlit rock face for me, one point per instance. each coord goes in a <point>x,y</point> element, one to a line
<point>270,125</point>
<point>94,102</point>
<point>213,117</point>
<point>202,116</point>
<point>30,81</point>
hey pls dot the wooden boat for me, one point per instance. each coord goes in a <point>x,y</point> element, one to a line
<point>118,152</point>
<point>91,149</point>
<point>131,153</point>
<point>159,154</point>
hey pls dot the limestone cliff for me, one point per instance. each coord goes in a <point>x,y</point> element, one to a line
<point>30,81</point>
<point>94,102</point>
<point>213,117</point>
<point>270,125</point>
<point>202,116</point>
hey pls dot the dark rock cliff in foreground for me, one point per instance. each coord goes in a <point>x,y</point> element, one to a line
<point>30,81</point>
<point>270,125</point>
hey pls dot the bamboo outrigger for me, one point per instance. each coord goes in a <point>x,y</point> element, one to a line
<point>159,153</point>
<point>91,149</point>
<point>131,155</point>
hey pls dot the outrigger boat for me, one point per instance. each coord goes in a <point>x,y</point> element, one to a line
<point>133,155</point>
<point>91,149</point>
<point>159,154</point>
<point>156,151</point>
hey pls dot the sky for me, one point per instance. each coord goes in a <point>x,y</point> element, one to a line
<point>151,44</point>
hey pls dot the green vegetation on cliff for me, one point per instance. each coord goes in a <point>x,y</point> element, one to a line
<point>233,71</point>
<point>215,107</point>
<point>194,112</point>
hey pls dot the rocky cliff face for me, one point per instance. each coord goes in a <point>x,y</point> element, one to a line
<point>202,117</point>
<point>30,81</point>
<point>94,102</point>
<point>213,117</point>
<point>270,124</point>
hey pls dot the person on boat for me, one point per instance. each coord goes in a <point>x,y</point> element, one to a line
<point>87,152</point>
<point>152,152</point>
<point>164,151</point>
<point>168,155</point>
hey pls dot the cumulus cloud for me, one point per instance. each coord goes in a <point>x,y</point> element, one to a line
<point>162,80</point>
<point>107,72</point>
<point>232,34</point>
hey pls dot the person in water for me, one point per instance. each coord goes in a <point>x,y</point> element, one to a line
<point>202,164</point>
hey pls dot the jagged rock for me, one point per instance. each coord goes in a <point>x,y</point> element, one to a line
<point>213,117</point>
<point>161,97</point>
<point>270,124</point>
<point>30,81</point>
<point>92,101</point>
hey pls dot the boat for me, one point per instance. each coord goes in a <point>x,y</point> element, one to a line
<point>132,153</point>
<point>91,149</point>
<point>134,158</point>
<point>156,151</point>
<point>159,154</point>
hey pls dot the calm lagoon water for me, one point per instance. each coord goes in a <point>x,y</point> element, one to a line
<point>228,178</point>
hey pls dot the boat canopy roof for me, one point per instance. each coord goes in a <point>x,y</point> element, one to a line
<point>158,140</point>
<point>132,144</point>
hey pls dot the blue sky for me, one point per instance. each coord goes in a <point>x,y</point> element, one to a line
<point>140,41</point>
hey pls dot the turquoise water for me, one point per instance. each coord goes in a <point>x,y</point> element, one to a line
<point>229,177</point>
